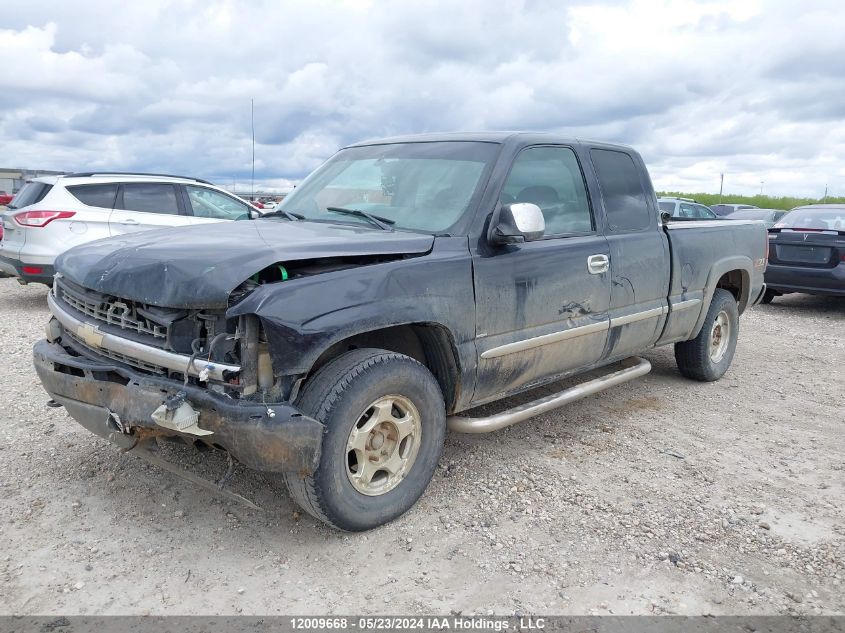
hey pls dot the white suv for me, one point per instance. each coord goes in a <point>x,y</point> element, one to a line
<point>49,215</point>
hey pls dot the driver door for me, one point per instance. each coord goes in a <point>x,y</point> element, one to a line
<point>542,306</point>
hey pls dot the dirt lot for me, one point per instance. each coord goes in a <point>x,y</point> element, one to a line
<point>661,496</point>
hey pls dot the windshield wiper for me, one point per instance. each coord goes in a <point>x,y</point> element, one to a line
<point>290,215</point>
<point>382,223</point>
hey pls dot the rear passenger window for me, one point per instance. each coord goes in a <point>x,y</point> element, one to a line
<point>704,213</point>
<point>624,198</point>
<point>551,178</point>
<point>95,195</point>
<point>150,198</point>
<point>688,211</point>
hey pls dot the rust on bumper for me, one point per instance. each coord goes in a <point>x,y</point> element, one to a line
<point>117,403</point>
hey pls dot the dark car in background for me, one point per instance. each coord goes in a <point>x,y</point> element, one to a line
<point>726,209</point>
<point>807,252</point>
<point>769,216</point>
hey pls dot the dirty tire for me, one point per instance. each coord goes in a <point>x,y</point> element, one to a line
<point>695,358</point>
<point>768,296</point>
<point>337,395</point>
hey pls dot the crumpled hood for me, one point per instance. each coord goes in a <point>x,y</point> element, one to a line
<point>199,266</point>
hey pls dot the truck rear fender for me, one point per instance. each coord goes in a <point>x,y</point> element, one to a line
<point>730,273</point>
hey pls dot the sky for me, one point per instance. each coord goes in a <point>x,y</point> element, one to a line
<point>753,89</point>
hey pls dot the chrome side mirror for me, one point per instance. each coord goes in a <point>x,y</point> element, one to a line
<point>517,222</point>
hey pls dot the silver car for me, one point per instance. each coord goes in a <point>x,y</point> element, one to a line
<point>686,208</point>
<point>51,214</point>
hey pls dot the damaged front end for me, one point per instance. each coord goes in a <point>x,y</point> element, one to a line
<point>131,372</point>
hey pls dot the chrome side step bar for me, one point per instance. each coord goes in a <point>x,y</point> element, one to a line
<point>633,367</point>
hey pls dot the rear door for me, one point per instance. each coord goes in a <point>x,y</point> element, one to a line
<point>208,205</point>
<point>541,307</point>
<point>142,206</point>
<point>639,252</point>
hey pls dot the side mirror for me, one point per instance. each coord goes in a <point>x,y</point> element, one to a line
<point>665,216</point>
<point>517,222</point>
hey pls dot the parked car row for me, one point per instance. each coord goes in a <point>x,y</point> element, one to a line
<point>51,214</point>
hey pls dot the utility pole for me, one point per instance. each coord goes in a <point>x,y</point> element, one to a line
<point>721,185</point>
<point>762,182</point>
<point>252,123</point>
<point>824,200</point>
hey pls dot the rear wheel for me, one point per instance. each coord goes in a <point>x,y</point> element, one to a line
<point>385,425</point>
<point>708,356</point>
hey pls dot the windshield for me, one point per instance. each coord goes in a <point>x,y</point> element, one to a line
<point>418,186</point>
<point>810,218</point>
<point>752,214</point>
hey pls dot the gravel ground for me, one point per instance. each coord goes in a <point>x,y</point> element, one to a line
<point>660,496</point>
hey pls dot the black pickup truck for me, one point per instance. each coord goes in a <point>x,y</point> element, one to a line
<point>403,283</point>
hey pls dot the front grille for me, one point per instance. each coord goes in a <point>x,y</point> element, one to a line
<point>121,358</point>
<point>118,312</point>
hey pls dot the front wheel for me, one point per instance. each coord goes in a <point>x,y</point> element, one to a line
<point>385,425</point>
<point>708,356</point>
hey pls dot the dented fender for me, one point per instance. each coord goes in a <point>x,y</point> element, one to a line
<point>304,317</point>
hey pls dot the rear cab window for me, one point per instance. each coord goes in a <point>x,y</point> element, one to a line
<point>101,195</point>
<point>30,193</point>
<point>624,198</point>
<point>149,197</point>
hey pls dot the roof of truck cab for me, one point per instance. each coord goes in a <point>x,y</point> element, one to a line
<point>527,138</point>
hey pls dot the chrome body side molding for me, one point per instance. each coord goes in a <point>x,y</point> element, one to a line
<point>638,316</point>
<point>545,339</point>
<point>685,305</point>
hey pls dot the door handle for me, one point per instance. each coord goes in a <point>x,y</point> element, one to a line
<point>597,264</point>
<point>129,221</point>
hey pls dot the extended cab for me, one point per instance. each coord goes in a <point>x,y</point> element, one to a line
<point>403,283</point>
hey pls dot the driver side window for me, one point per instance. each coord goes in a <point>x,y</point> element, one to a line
<point>551,178</point>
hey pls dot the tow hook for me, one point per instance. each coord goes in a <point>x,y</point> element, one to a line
<point>178,415</point>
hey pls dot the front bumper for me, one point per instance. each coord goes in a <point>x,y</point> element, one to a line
<point>117,404</point>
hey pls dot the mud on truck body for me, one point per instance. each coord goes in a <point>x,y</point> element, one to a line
<point>403,283</point>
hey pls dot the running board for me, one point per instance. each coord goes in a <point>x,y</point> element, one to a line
<point>634,367</point>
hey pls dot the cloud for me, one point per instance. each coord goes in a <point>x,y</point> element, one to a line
<point>751,88</point>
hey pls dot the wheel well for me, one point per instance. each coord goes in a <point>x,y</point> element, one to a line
<point>738,283</point>
<point>429,343</point>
